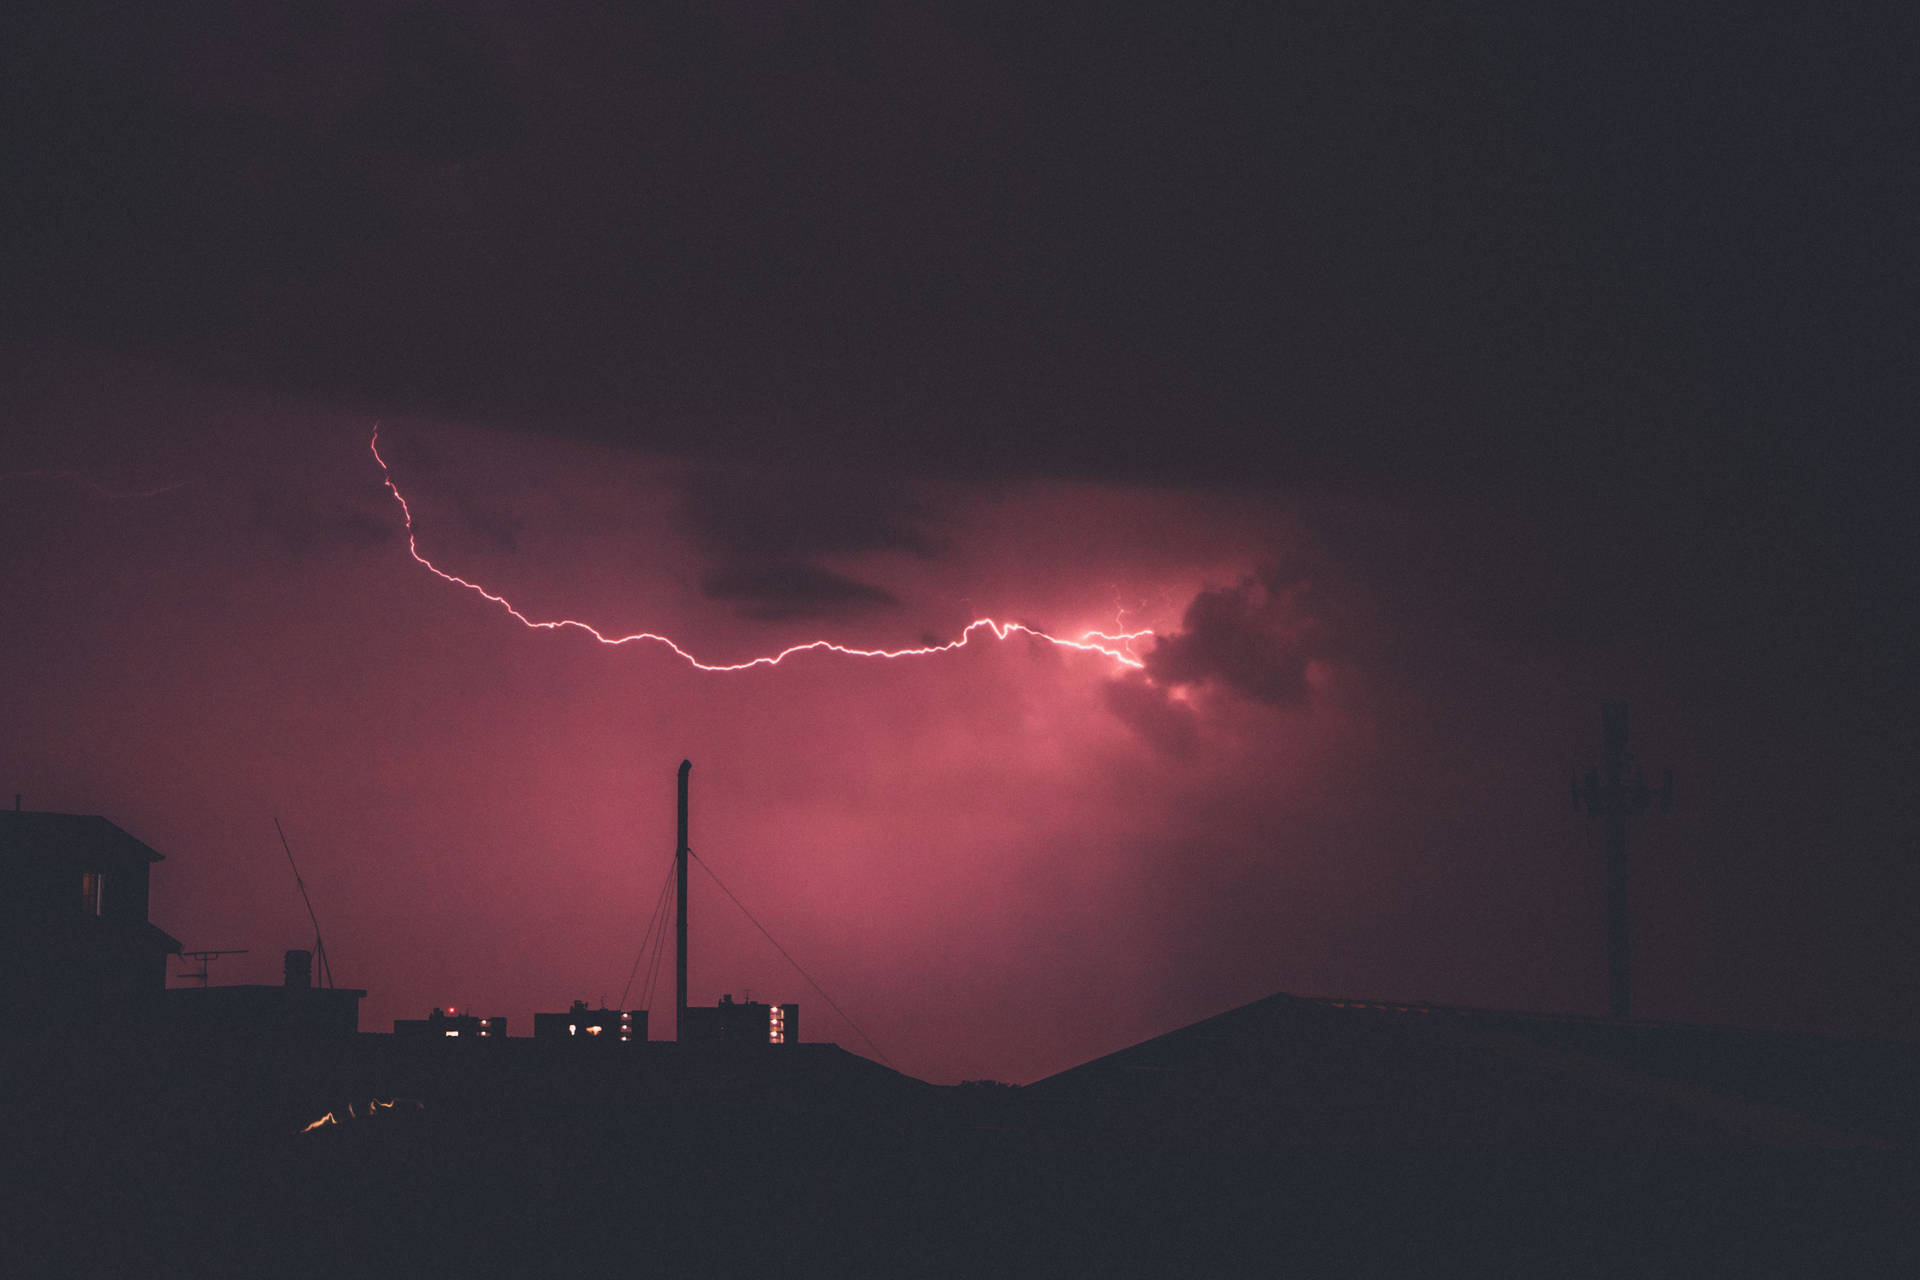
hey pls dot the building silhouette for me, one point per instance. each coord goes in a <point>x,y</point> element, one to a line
<point>740,1023</point>
<point>596,1027</point>
<point>240,1128</point>
<point>296,1009</point>
<point>447,1024</point>
<point>75,940</point>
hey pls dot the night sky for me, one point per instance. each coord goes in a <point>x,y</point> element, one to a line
<point>1419,375</point>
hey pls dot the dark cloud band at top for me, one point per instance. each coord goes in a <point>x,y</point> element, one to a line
<point>765,532</point>
<point>771,591</point>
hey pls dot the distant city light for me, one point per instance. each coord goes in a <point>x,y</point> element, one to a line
<point>373,1104</point>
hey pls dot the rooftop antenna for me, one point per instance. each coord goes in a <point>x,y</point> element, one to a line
<point>200,975</point>
<point>680,924</point>
<point>319,947</point>
<point>1609,792</point>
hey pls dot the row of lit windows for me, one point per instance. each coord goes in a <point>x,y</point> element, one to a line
<point>486,1026</point>
<point>626,1028</point>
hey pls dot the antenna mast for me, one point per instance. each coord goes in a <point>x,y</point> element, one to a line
<point>200,975</point>
<point>680,916</point>
<point>1608,791</point>
<point>319,947</point>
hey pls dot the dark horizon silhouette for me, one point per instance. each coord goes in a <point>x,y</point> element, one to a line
<point>276,1120</point>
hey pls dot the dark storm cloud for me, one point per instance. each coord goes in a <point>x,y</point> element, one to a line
<point>751,511</point>
<point>772,590</point>
<point>1222,246</point>
<point>299,525</point>
<point>765,532</point>
<point>152,214</point>
<point>1251,639</point>
<point>1250,642</point>
<point>441,97</point>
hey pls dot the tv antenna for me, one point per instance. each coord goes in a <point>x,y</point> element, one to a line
<point>200,975</point>
<point>319,947</point>
<point>1610,793</point>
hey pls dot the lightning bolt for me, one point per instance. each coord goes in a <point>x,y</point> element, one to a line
<point>1124,636</point>
<point>1113,645</point>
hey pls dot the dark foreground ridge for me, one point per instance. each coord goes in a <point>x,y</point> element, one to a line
<point>1290,1134</point>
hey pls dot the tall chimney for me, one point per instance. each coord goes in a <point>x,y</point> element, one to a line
<point>680,915</point>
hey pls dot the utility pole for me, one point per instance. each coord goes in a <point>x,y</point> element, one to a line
<point>1609,792</point>
<point>680,915</point>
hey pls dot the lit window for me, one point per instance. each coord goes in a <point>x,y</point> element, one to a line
<point>593,1031</point>
<point>91,884</point>
<point>573,1028</point>
<point>453,1033</point>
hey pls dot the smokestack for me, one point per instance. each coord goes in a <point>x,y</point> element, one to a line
<point>680,915</point>
<point>297,966</point>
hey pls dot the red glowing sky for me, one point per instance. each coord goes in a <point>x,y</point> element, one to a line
<point>999,860</point>
<point>1418,385</point>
